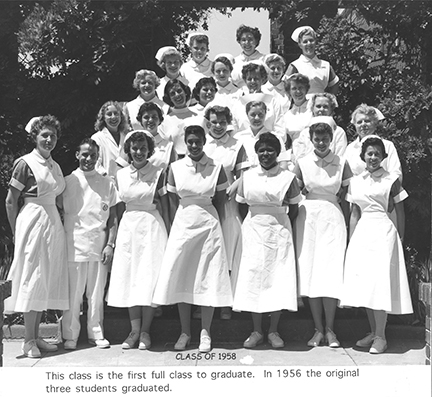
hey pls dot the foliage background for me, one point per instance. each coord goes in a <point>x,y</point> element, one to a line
<point>75,55</point>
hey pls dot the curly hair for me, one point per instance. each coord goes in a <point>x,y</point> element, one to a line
<point>367,111</point>
<point>142,74</point>
<point>320,128</point>
<point>271,58</point>
<point>100,118</point>
<point>219,110</point>
<point>242,29</point>
<point>375,142</point>
<point>47,121</point>
<point>271,140</point>
<point>166,98</point>
<point>200,84</point>
<point>223,60</point>
<point>296,78</point>
<point>167,53</point>
<point>330,97</point>
<point>254,67</point>
<point>147,107</point>
<point>139,136</point>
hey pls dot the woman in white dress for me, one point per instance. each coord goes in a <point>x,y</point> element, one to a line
<point>222,68</point>
<point>39,271</point>
<point>111,126</point>
<point>321,231</point>
<point>204,92</point>
<point>141,238</point>
<point>321,75</point>
<point>276,67</point>
<point>375,274</point>
<point>145,82</point>
<point>266,280</point>
<point>195,269</point>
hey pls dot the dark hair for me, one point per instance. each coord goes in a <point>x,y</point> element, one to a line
<point>199,38</point>
<point>271,140</point>
<point>166,98</point>
<point>320,128</point>
<point>195,129</point>
<point>87,141</point>
<point>254,67</point>
<point>200,84</point>
<point>223,60</point>
<point>373,141</point>
<point>139,136</point>
<point>100,118</point>
<point>47,121</point>
<point>261,104</point>
<point>219,110</point>
<point>296,78</point>
<point>146,107</point>
<point>247,29</point>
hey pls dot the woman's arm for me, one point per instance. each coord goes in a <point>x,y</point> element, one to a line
<point>355,217</point>
<point>108,251</point>
<point>400,216</point>
<point>219,200</point>
<point>12,207</point>
<point>293,212</point>
<point>345,206</point>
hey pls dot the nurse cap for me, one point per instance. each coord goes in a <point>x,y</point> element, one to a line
<point>323,119</point>
<point>295,35</point>
<point>195,120</point>
<point>161,52</point>
<point>130,133</point>
<point>378,112</point>
<point>30,123</point>
<point>226,55</point>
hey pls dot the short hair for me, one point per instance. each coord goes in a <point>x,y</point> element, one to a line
<point>330,97</point>
<point>247,29</point>
<point>270,139</point>
<point>139,136</point>
<point>366,110</point>
<point>100,118</point>
<point>200,84</point>
<point>320,128</point>
<point>195,129</point>
<point>148,106</point>
<point>373,141</point>
<point>223,60</point>
<point>296,78</point>
<point>199,38</point>
<point>251,104</point>
<point>219,110</point>
<point>48,121</point>
<point>254,67</point>
<point>87,141</point>
<point>166,98</point>
<point>142,74</point>
<point>271,58</point>
<point>167,53</point>
<point>305,31</point>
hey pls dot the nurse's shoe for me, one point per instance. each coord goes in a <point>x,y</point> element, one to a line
<point>316,339</point>
<point>70,344</point>
<point>30,349</point>
<point>131,341</point>
<point>45,346</point>
<point>379,345</point>
<point>100,343</point>
<point>205,344</point>
<point>254,340</point>
<point>182,342</point>
<point>366,341</point>
<point>331,338</point>
<point>275,340</point>
<point>144,341</point>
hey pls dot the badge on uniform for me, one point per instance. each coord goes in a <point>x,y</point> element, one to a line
<point>104,207</point>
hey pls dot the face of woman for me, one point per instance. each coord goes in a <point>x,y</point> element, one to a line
<point>256,117</point>
<point>206,94</point>
<point>177,96</point>
<point>364,125</point>
<point>222,74</point>
<point>172,66</point>
<point>46,141</point>
<point>147,87</point>
<point>195,145</point>
<point>253,82</point>
<point>322,107</point>
<point>112,118</point>
<point>307,44</point>
<point>139,153</point>
<point>276,70</point>
<point>150,121</point>
<point>248,43</point>
<point>267,156</point>
<point>321,143</point>
<point>217,125</point>
<point>198,51</point>
<point>373,158</point>
<point>298,93</point>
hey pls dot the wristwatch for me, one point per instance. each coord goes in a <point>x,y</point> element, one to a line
<point>112,245</point>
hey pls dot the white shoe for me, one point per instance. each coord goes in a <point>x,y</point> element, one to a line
<point>70,344</point>
<point>100,343</point>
